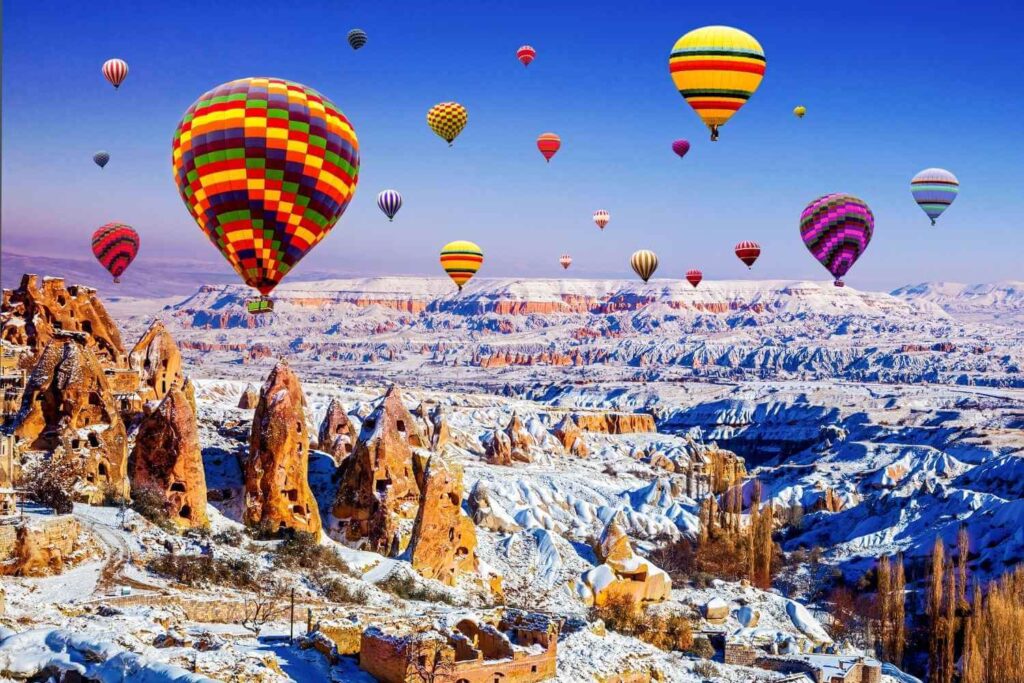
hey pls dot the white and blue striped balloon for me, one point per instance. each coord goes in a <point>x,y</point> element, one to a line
<point>934,189</point>
<point>389,202</point>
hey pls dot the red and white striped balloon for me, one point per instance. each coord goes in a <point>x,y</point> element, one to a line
<point>525,54</point>
<point>115,71</point>
<point>748,252</point>
<point>601,217</point>
<point>566,261</point>
<point>694,277</point>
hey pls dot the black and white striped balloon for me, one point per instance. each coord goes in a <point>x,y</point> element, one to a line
<point>357,38</point>
<point>101,158</point>
<point>389,202</point>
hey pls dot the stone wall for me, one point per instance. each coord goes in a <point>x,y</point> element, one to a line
<point>37,546</point>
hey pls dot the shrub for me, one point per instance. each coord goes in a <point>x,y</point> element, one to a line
<point>702,648</point>
<point>202,570</point>
<point>407,587</point>
<point>705,669</point>
<point>673,632</point>
<point>337,590</point>
<point>230,536</point>
<point>302,550</point>
<point>150,504</point>
<point>51,481</point>
<point>621,613</point>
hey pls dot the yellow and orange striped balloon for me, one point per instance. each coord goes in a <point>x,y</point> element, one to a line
<point>461,259</point>
<point>716,69</point>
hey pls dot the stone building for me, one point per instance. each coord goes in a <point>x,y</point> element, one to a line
<point>8,458</point>
<point>520,648</point>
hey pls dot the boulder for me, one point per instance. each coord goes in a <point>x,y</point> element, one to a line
<point>167,459</point>
<point>443,542</point>
<point>277,493</point>
<point>379,484</point>
<point>68,405</point>
<point>487,512</point>
<point>250,398</point>
<point>716,610</point>
<point>41,309</point>
<point>622,572</point>
<point>570,436</point>
<point>335,434</point>
<point>748,616</point>
<point>158,361</point>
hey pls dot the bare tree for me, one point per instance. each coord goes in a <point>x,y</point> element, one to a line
<point>263,605</point>
<point>431,659</point>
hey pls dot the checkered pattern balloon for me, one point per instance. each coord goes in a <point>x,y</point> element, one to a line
<point>836,229</point>
<point>447,120</point>
<point>266,167</point>
<point>115,245</point>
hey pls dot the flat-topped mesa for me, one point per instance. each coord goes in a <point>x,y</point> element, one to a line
<point>379,484</point>
<point>40,309</point>
<point>335,434</point>
<point>443,542</point>
<point>67,405</point>
<point>158,361</point>
<point>167,460</point>
<point>616,423</point>
<point>277,493</point>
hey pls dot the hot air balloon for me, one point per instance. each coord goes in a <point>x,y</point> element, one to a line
<point>526,54</point>
<point>748,252</point>
<point>389,201</point>
<point>681,147</point>
<point>694,277</point>
<point>836,229</point>
<point>115,245</point>
<point>644,263</point>
<point>266,167</point>
<point>115,71</point>
<point>101,158</point>
<point>566,261</point>
<point>602,217</point>
<point>461,259</point>
<point>447,119</point>
<point>934,189</point>
<point>799,111</point>
<point>357,38</point>
<point>548,144</point>
<point>716,69</point>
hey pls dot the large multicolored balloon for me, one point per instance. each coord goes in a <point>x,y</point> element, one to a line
<point>716,69</point>
<point>389,201</point>
<point>602,217</point>
<point>266,167</point>
<point>644,263</point>
<point>548,144</point>
<point>447,119</point>
<point>101,158</point>
<point>836,229</point>
<point>115,246</point>
<point>748,252</point>
<point>934,189</point>
<point>526,54</point>
<point>461,259</point>
<point>357,38</point>
<point>800,111</point>
<point>694,277</point>
<point>681,147</point>
<point>115,71</point>
<point>565,261</point>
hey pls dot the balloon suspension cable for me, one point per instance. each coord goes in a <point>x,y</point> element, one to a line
<point>714,132</point>
<point>933,221</point>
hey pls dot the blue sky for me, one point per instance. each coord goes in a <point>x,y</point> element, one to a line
<point>890,90</point>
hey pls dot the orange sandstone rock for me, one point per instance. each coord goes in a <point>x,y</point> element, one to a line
<point>335,435</point>
<point>158,361</point>
<point>443,543</point>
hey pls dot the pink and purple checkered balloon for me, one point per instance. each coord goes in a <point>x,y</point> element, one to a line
<point>836,229</point>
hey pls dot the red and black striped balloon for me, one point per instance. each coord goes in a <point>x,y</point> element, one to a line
<point>115,246</point>
<point>748,252</point>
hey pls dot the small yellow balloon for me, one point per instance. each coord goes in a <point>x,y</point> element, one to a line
<point>800,111</point>
<point>461,259</point>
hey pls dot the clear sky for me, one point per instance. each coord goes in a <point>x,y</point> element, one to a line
<point>890,87</point>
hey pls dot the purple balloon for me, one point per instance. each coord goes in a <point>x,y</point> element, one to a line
<point>681,147</point>
<point>836,229</point>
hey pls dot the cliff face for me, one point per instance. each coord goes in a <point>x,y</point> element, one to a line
<point>68,405</point>
<point>277,493</point>
<point>158,361</point>
<point>167,460</point>
<point>443,543</point>
<point>39,309</point>
<point>616,423</point>
<point>380,482</point>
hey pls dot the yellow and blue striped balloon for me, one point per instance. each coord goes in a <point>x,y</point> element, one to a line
<point>934,189</point>
<point>461,259</point>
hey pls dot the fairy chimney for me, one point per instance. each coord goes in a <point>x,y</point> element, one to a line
<point>335,434</point>
<point>443,542</point>
<point>158,361</point>
<point>571,437</point>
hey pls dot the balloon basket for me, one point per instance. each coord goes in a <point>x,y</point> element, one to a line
<point>117,280</point>
<point>261,305</point>
<point>839,283</point>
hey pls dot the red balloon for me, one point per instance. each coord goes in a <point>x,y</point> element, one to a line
<point>526,54</point>
<point>748,252</point>
<point>115,245</point>
<point>548,144</point>
<point>694,277</point>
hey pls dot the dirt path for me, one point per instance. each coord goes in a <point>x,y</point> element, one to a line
<point>116,550</point>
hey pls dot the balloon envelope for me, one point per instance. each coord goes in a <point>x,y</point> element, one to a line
<point>748,252</point>
<point>602,218</point>
<point>101,159</point>
<point>566,261</point>
<point>716,69</point>
<point>115,246</point>
<point>266,167</point>
<point>694,277</point>
<point>836,229</point>
<point>681,147</point>
<point>461,259</point>
<point>800,111</point>
<point>644,263</point>
<point>357,38</point>
<point>548,144</point>
<point>526,54</point>
<point>389,201</point>
<point>115,71</point>
<point>447,119</point>
<point>934,189</point>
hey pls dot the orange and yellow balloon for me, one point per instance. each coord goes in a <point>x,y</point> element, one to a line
<point>461,259</point>
<point>447,119</point>
<point>716,69</point>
